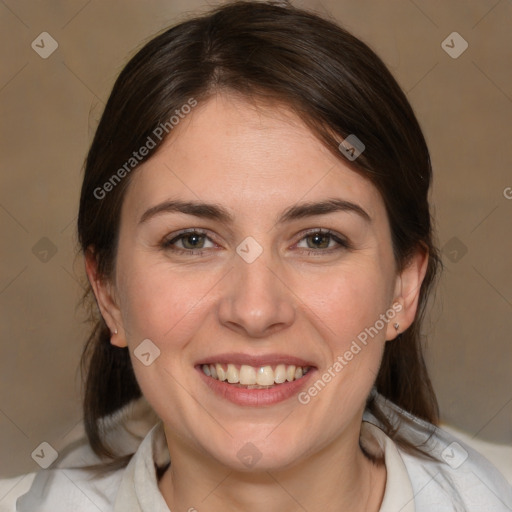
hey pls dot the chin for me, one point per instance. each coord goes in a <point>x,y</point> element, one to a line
<point>259,455</point>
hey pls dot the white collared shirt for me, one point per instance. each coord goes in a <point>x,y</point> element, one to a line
<point>457,479</point>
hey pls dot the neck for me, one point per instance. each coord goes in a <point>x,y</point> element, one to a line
<point>352,482</point>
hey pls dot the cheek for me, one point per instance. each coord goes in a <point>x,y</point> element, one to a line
<point>347,301</point>
<point>166,306</point>
<point>159,302</point>
<point>346,308</point>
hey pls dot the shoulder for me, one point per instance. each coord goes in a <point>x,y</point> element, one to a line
<point>69,486</point>
<point>12,488</point>
<point>62,489</point>
<point>455,476</point>
<point>500,455</point>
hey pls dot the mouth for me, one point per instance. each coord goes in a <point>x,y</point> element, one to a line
<point>255,377</point>
<point>255,380</point>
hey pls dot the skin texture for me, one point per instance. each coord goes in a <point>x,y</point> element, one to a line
<point>255,162</point>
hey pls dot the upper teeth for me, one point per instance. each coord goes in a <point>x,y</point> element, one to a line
<point>250,375</point>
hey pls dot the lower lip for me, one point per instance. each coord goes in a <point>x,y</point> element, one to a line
<point>256,397</point>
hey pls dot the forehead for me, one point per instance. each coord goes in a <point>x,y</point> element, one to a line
<point>249,156</point>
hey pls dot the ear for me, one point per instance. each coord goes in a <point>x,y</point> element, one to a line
<point>105,297</point>
<point>407,292</point>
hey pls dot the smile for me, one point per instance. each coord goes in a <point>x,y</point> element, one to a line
<point>254,377</point>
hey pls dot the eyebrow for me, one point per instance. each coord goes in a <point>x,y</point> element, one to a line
<point>216,212</point>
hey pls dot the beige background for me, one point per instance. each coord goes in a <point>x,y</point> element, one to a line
<point>48,111</point>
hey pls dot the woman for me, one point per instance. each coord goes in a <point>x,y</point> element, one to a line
<point>255,223</point>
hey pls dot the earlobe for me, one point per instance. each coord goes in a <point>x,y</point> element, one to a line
<point>407,292</point>
<point>107,304</point>
<point>117,340</point>
<point>395,327</point>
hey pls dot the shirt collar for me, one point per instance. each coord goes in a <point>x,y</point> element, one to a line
<point>139,491</point>
<point>398,493</point>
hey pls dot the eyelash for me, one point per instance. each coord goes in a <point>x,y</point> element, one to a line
<point>342,242</point>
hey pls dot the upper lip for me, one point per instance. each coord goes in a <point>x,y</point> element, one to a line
<point>255,360</point>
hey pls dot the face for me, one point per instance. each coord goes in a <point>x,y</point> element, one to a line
<point>228,263</point>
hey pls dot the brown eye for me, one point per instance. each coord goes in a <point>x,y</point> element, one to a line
<point>318,241</point>
<point>188,241</point>
<point>193,241</point>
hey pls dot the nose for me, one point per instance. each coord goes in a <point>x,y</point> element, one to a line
<point>255,300</point>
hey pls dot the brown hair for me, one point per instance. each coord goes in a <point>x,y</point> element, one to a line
<point>337,85</point>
